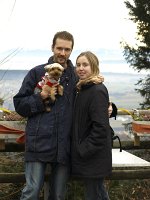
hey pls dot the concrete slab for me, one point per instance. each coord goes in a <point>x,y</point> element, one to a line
<point>126,159</point>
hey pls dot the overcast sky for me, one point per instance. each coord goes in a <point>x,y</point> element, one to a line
<point>95,24</point>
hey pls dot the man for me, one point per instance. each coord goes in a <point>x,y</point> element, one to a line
<point>48,133</point>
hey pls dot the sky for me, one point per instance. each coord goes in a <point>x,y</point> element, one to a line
<point>28,25</point>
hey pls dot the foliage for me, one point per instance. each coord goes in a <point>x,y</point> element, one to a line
<point>138,116</point>
<point>117,189</point>
<point>129,189</point>
<point>141,117</point>
<point>145,91</point>
<point>1,101</point>
<point>139,56</point>
<point>13,116</point>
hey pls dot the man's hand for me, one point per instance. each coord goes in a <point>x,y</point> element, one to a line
<point>45,92</point>
<point>48,92</point>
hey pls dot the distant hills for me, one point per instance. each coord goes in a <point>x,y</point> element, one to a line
<point>121,87</point>
<point>111,60</point>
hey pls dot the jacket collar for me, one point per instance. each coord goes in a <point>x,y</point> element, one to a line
<point>69,63</point>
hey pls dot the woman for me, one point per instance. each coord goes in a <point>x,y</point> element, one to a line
<point>91,140</point>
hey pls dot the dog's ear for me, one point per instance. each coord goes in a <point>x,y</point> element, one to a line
<point>58,65</point>
<point>47,67</point>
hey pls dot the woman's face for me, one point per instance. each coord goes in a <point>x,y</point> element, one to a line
<point>83,68</point>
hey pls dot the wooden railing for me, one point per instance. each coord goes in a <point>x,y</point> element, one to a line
<point>120,174</point>
<point>132,167</point>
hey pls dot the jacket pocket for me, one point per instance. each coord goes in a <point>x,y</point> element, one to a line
<point>87,149</point>
<point>40,143</point>
<point>39,126</point>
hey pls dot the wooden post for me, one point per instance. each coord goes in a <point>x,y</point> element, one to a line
<point>136,140</point>
<point>2,144</point>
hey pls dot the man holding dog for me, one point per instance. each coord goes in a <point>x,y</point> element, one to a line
<point>48,133</point>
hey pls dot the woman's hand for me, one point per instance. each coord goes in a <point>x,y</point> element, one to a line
<point>110,109</point>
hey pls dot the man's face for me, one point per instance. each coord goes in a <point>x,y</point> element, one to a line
<point>62,51</point>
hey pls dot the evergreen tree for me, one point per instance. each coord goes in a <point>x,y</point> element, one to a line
<point>139,56</point>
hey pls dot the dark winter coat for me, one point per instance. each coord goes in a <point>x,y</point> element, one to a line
<point>91,140</point>
<point>47,133</point>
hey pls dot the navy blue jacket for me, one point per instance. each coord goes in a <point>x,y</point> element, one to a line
<point>47,133</point>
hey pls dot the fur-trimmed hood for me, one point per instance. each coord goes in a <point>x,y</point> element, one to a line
<point>92,79</point>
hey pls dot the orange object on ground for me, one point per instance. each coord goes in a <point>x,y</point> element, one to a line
<point>141,126</point>
<point>21,139</point>
<point>9,130</point>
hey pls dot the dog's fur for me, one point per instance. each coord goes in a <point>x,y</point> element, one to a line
<point>51,78</point>
<point>54,72</point>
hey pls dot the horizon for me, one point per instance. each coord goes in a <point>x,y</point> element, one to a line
<point>111,60</point>
<point>121,87</point>
<point>104,72</point>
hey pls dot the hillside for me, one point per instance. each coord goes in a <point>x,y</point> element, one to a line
<point>121,87</point>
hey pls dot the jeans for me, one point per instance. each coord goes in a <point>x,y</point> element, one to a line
<point>35,172</point>
<point>95,189</point>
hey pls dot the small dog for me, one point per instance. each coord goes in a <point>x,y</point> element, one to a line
<point>51,78</point>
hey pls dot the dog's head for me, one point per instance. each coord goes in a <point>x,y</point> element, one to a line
<point>54,70</point>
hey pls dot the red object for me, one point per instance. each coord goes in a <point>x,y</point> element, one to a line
<point>141,126</point>
<point>9,130</point>
<point>21,139</point>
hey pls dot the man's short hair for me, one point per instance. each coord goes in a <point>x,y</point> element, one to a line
<point>63,35</point>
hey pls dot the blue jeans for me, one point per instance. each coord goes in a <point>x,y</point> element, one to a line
<point>95,189</point>
<point>35,172</point>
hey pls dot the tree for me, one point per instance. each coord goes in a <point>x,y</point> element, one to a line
<point>138,56</point>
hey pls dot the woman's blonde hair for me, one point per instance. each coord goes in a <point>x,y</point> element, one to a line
<point>93,61</point>
<point>95,77</point>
